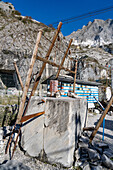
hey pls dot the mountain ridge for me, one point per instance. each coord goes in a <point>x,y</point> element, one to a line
<point>18,35</point>
<point>93,46</point>
<point>96,33</point>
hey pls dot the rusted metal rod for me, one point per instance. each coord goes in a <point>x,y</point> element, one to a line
<point>63,59</point>
<point>101,119</point>
<point>25,118</point>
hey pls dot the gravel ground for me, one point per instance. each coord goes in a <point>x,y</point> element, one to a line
<point>26,160</point>
<point>32,163</point>
<point>108,132</point>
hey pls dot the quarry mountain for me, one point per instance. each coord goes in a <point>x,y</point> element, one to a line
<point>92,45</point>
<point>98,33</point>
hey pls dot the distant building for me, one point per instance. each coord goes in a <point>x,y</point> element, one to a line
<point>85,89</point>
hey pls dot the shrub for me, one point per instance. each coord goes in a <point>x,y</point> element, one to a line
<point>10,7</point>
<point>47,29</point>
<point>16,12</point>
<point>24,20</point>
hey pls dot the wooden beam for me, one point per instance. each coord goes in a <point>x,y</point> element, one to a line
<point>19,77</point>
<point>101,119</point>
<point>37,79</point>
<point>22,104</point>
<point>88,129</point>
<point>25,118</point>
<point>54,64</point>
<point>63,59</point>
<point>75,77</point>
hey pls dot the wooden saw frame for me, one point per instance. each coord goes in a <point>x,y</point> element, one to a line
<point>23,108</point>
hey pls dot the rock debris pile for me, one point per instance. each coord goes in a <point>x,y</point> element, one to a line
<point>96,156</point>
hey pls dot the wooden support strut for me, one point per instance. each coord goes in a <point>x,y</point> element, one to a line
<point>101,119</point>
<point>21,108</point>
<point>88,129</point>
<point>37,79</point>
<point>63,59</point>
<point>19,77</point>
<point>54,64</point>
<point>75,77</point>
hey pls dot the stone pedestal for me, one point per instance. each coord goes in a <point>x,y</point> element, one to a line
<point>53,136</point>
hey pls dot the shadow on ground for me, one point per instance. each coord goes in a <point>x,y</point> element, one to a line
<point>108,124</point>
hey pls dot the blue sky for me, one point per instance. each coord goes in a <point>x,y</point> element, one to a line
<point>50,11</point>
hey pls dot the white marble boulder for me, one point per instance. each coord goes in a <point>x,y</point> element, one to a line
<point>52,137</point>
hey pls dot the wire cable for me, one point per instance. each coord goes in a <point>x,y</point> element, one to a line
<point>55,46</point>
<point>86,15</point>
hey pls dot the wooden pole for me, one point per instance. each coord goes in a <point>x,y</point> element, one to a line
<point>101,119</point>
<point>21,108</point>
<point>75,77</point>
<point>63,59</point>
<point>54,64</point>
<point>19,77</point>
<point>37,79</point>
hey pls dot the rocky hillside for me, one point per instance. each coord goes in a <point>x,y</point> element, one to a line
<point>18,36</point>
<point>93,44</point>
<point>96,33</point>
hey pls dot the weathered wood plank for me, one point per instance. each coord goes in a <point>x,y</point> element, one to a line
<point>54,64</point>
<point>37,79</point>
<point>88,128</point>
